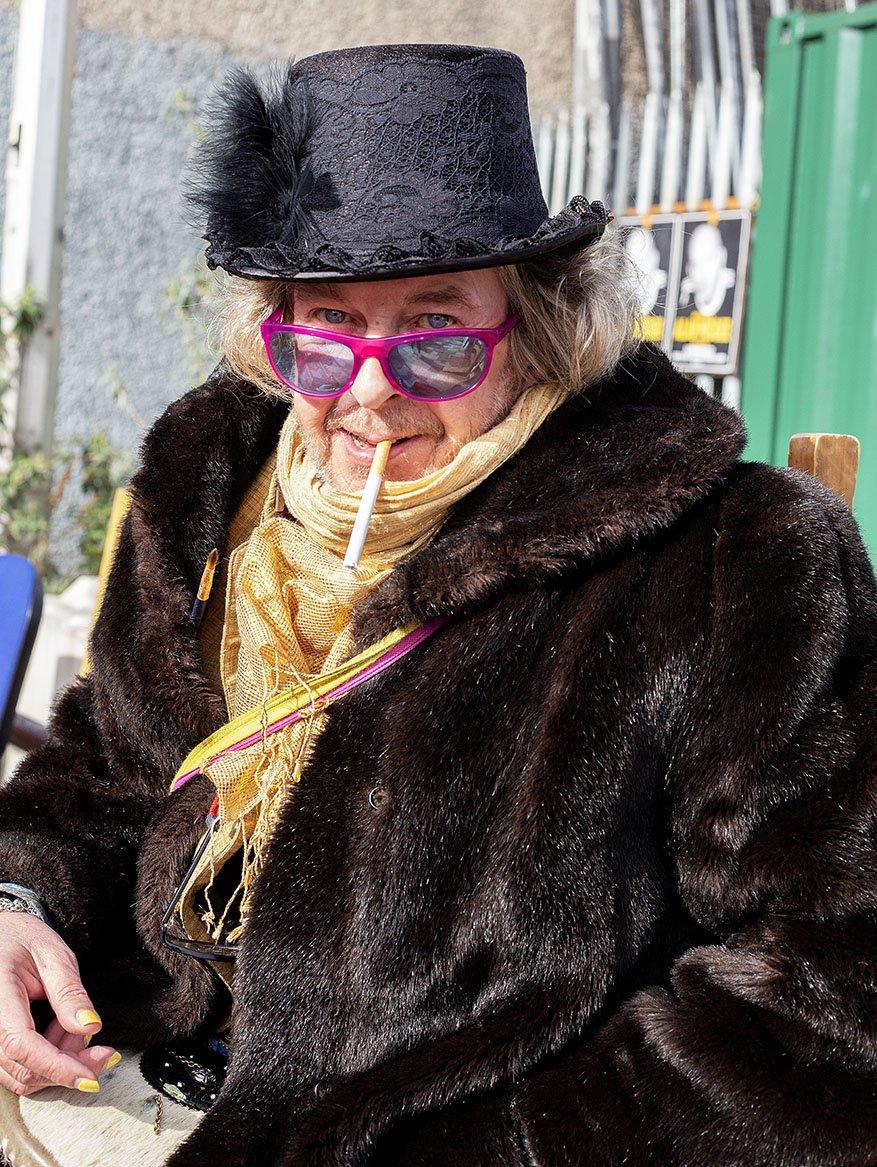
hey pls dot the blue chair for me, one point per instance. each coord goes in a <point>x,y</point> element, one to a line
<point>21,606</point>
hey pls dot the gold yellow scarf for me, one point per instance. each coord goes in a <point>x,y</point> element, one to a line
<point>288,611</point>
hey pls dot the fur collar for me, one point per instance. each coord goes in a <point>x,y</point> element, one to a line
<point>619,463</point>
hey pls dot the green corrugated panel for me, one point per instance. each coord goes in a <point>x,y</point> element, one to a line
<point>810,360</point>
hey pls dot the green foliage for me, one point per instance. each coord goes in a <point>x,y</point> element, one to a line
<point>25,477</point>
<point>183,106</point>
<point>31,487</point>
<point>26,315</point>
<point>31,490</point>
<point>18,323</point>
<point>33,482</point>
<point>104,469</point>
<point>186,303</point>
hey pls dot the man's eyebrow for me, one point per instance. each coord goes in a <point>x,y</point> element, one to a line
<point>318,289</point>
<point>446,294</point>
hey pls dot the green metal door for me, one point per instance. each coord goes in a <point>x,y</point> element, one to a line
<point>810,358</point>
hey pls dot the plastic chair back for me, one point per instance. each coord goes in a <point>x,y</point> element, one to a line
<point>21,605</point>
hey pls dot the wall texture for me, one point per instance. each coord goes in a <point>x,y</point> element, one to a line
<point>269,28</point>
<point>8,25</point>
<point>135,104</point>
<point>125,239</point>
<point>541,35</point>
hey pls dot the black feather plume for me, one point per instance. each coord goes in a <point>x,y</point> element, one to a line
<point>249,182</point>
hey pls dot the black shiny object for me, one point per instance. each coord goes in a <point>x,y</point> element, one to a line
<point>375,161</point>
<point>189,1072</point>
<point>179,942</point>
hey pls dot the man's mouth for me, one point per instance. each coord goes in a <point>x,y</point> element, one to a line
<point>367,442</point>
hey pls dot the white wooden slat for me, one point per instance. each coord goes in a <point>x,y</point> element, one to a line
<point>648,153</point>
<point>577,183</point>
<point>745,39</point>
<point>726,147</point>
<point>671,170</point>
<point>545,152</point>
<point>600,153</point>
<point>621,174</point>
<point>696,176</point>
<point>560,169</point>
<point>750,151</point>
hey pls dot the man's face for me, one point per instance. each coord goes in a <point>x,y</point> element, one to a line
<point>340,434</point>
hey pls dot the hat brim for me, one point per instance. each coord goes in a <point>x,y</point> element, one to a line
<point>555,235</point>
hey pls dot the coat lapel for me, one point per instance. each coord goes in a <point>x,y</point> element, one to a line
<point>616,464</point>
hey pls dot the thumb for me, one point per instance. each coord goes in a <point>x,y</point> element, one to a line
<point>59,972</point>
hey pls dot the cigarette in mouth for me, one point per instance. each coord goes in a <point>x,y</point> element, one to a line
<point>367,503</point>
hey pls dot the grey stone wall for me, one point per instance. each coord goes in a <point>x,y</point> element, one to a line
<point>540,33</point>
<point>124,236</point>
<point>134,108</point>
<point>8,33</point>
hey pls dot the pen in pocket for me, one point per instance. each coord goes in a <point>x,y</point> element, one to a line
<point>204,589</point>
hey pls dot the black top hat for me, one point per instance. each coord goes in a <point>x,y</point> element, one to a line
<point>379,161</point>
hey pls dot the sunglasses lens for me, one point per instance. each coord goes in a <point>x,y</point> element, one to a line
<point>440,366</point>
<point>311,364</point>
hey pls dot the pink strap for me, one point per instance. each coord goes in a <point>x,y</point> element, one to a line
<point>390,657</point>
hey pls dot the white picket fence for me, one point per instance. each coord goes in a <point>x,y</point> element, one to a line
<point>655,161</point>
<point>666,153</point>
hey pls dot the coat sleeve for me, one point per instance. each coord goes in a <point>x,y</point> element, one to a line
<point>72,813</point>
<point>761,1047</point>
<point>83,820</point>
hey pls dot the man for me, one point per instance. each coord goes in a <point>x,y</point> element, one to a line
<point>587,876</point>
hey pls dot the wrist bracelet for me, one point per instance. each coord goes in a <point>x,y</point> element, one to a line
<point>16,898</point>
<point>10,903</point>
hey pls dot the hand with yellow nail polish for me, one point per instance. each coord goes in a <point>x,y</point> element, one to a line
<point>36,964</point>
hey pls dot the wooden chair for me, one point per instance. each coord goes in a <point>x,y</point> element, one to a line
<point>832,458</point>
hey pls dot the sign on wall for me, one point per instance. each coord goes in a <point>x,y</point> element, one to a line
<point>691,281</point>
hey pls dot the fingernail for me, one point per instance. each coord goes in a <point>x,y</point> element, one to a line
<point>88,1085</point>
<point>87,1017</point>
<point>88,1038</point>
<point>113,1060</point>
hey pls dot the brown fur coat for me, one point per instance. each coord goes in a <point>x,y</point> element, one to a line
<point>618,904</point>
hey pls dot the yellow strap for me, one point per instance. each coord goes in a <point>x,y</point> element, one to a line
<point>282,704</point>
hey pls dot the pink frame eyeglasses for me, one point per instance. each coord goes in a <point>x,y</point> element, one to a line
<point>437,364</point>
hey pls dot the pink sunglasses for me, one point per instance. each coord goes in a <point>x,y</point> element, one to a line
<point>438,364</point>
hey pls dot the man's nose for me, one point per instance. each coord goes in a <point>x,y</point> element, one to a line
<point>371,388</point>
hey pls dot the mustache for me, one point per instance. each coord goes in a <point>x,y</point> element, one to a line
<point>395,417</point>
